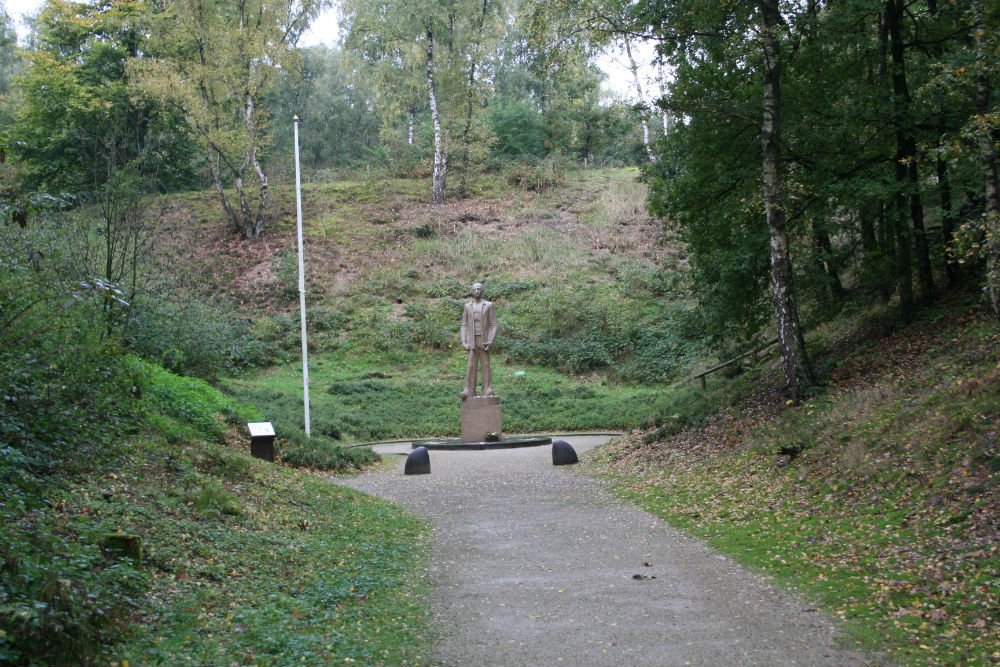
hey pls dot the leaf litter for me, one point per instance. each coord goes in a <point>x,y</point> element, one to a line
<point>889,513</point>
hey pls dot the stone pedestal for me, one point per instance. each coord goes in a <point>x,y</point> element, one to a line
<point>480,415</point>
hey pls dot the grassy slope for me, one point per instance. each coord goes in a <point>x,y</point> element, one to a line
<point>243,562</point>
<point>888,515</point>
<point>256,564</point>
<point>253,563</point>
<point>387,275</point>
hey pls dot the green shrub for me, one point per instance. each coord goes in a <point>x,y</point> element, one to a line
<point>326,319</point>
<point>534,176</point>
<point>64,391</point>
<point>189,407</point>
<point>62,599</point>
<point>321,454</point>
<point>195,338</point>
<point>434,323</point>
<point>519,130</point>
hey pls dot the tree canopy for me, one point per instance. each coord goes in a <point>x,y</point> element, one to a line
<point>888,132</point>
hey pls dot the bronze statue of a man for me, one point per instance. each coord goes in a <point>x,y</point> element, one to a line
<point>479,328</point>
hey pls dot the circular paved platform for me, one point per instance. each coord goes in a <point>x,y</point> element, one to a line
<point>511,442</point>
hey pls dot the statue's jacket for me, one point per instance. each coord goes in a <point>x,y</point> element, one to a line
<point>488,323</point>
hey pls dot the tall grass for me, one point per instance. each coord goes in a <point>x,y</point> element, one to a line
<point>473,253</point>
<point>623,204</point>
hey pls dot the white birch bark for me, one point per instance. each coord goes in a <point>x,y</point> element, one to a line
<point>440,149</point>
<point>791,341</point>
<point>634,68</point>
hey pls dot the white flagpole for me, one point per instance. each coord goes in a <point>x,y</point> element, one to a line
<point>302,280</point>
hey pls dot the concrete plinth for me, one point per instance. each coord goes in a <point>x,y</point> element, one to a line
<point>480,415</point>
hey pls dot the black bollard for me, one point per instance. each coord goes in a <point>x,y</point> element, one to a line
<point>563,453</point>
<point>418,462</point>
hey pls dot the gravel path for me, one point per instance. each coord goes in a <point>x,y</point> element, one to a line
<point>536,565</point>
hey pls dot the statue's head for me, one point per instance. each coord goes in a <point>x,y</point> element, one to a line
<point>477,290</point>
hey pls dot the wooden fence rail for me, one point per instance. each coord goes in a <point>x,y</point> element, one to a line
<point>754,353</point>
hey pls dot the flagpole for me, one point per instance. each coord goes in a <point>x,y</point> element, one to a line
<point>302,280</point>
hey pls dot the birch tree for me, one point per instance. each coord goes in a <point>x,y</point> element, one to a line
<point>440,147</point>
<point>791,340</point>
<point>395,43</point>
<point>729,61</point>
<point>633,67</point>
<point>440,47</point>
<point>221,58</point>
<point>598,25</point>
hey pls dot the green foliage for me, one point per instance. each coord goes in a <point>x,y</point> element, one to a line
<point>9,64</point>
<point>710,193</point>
<point>189,408</point>
<point>215,65</point>
<point>69,397</point>
<point>319,453</point>
<point>336,126</point>
<point>519,129</point>
<point>874,173</point>
<point>195,338</point>
<point>61,598</point>
<point>78,110</point>
<point>58,378</point>
<point>586,328</point>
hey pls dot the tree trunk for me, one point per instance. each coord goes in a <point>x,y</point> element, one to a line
<point>924,273</point>
<point>824,252</point>
<point>900,102</point>
<point>634,68</point>
<point>791,341</point>
<point>869,244</point>
<point>412,124</point>
<point>906,151</point>
<point>255,226</point>
<point>952,272</point>
<point>241,192</point>
<point>440,149</point>
<point>214,158</point>
<point>988,157</point>
<point>470,90</point>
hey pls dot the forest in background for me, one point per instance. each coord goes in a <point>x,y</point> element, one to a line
<point>804,150</point>
<point>806,163</point>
